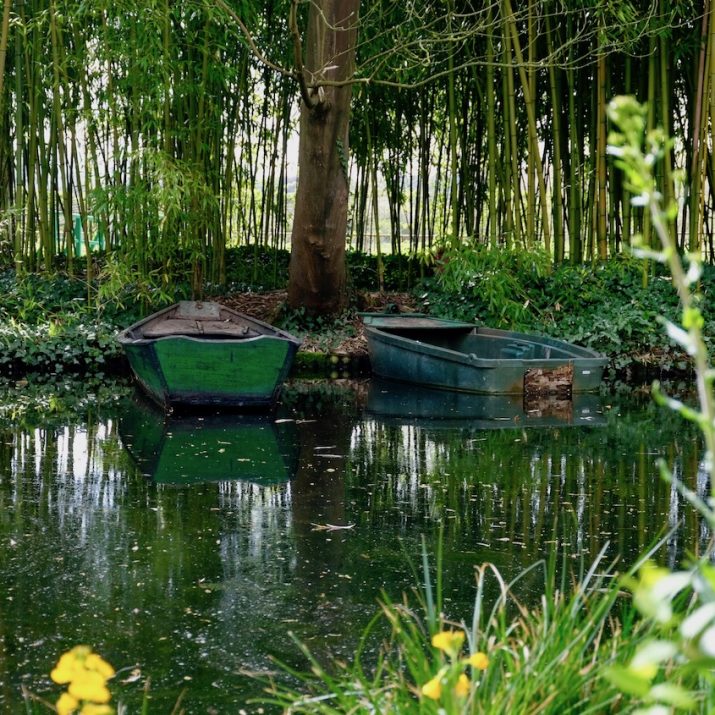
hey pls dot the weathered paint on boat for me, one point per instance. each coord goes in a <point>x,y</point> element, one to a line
<point>455,355</point>
<point>220,447</point>
<point>226,359</point>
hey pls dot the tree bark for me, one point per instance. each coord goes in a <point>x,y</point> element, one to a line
<point>317,266</point>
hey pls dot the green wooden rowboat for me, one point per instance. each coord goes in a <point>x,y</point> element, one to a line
<point>192,449</point>
<point>202,353</point>
<point>454,355</point>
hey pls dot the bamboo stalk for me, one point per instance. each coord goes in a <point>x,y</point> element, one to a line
<point>575,189</point>
<point>556,143</point>
<point>696,132</point>
<point>531,121</point>
<point>530,100</point>
<point>668,188</point>
<point>4,35</point>
<point>375,209</point>
<point>18,242</point>
<point>511,187</point>
<point>626,199</point>
<point>33,91</point>
<point>454,166</point>
<point>601,142</point>
<point>491,134</point>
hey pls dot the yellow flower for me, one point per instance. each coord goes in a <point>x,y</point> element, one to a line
<point>479,660</point>
<point>462,687</point>
<point>98,664</point>
<point>448,641</point>
<point>92,709</point>
<point>433,688</point>
<point>89,685</point>
<point>71,664</point>
<point>66,704</point>
<point>79,661</point>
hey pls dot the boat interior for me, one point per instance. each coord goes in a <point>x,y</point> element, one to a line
<point>201,320</point>
<point>485,346</point>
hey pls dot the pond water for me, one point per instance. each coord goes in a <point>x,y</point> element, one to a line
<point>186,550</point>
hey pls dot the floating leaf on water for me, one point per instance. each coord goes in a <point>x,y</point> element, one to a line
<point>331,527</point>
<point>135,675</point>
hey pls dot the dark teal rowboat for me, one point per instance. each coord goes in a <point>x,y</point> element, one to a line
<point>202,353</point>
<point>453,355</point>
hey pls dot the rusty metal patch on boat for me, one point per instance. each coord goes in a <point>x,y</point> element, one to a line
<point>544,381</point>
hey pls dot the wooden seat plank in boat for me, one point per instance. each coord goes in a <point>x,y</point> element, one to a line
<point>183,326</point>
<point>226,328</point>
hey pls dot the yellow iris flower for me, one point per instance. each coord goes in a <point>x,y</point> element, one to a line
<point>93,709</point>
<point>462,687</point>
<point>86,674</point>
<point>90,685</point>
<point>97,663</point>
<point>70,664</point>
<point>66,704</point>
<point>433,688</point>
<point>448,641</point>
<point>479,660</point>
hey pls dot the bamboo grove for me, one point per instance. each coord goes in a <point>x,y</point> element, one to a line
<point>159,131</point>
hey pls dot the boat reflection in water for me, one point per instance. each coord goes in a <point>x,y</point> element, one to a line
<point>197,448</point>
<point>399,402</point>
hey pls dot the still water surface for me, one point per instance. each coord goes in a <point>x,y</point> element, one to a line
<point>120,529</point>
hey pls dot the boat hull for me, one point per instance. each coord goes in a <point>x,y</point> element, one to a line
<point>458,356</point>
<point>184,370</point>
<point>188,371</point>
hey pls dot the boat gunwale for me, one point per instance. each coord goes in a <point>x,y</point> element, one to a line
<point>208,340</point>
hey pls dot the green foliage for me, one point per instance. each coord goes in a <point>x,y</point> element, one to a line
<point>490,284</point>
<point>35,297</point>
<point>55,346</point>
<point>673,670</point>
<point>46,325</point>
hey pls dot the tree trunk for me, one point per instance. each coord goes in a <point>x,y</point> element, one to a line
<point>317,267</point>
